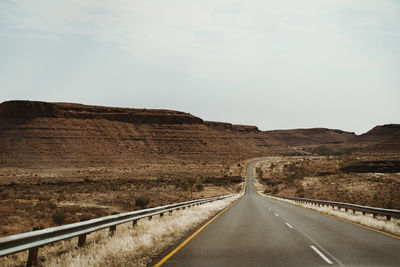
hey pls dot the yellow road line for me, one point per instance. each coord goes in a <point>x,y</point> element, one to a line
<point>163,260</point>
<point>345,220</point>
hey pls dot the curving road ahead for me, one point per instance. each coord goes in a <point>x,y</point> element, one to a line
<point>259,231</point>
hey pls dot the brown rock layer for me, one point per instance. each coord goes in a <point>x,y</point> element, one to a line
<point>63,134</point>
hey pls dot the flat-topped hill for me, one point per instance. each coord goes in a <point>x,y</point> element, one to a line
<point>36,109</point>
<point>34,133</point>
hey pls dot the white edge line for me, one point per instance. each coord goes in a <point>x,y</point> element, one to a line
<point>288,225</point>
<point>321,255</point>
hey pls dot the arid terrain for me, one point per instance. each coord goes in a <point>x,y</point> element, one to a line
<point>63,162</point>
<point>366,180</point>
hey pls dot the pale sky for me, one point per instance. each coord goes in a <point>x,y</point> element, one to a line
<point>275,64</point>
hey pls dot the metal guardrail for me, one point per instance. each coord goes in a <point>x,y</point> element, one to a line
<point>389,213</point>
<point>33,240</point>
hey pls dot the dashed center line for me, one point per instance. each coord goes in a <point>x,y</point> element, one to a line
<point>321,255</point>
<point>288,225</point>
<point>276,215</point>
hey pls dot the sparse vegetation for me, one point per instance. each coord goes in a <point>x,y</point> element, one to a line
<point>327,178</point>
<point>199,187</point>
<point>129,246</point>
<point>88,198</point>
<point>59,217</point>
<point>142,202</point>
<point>392,226</point>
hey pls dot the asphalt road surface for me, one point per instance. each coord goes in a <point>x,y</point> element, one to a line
<point>259,231</point>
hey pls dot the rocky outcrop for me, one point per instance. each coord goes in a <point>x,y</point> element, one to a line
<point>231,127</point>
<point>313,136</point>
<point>64,134</point>
<point>36,109</point>
<point>381,131</point>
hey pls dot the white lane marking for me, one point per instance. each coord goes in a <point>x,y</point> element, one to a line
<point>321,255</point>
<point>269,208</point>
<point>276,215</point>
<point>288,225</point>
<point>309,237</point>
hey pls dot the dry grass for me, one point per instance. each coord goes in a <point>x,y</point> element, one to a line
<point>130,246</point>
<point>327,178</point>
<point>392,226</point>
<point>87,193</point>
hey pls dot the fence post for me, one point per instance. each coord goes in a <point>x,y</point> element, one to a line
<point>81,240</point>
<point>33,257</point>
<point>112,230</point>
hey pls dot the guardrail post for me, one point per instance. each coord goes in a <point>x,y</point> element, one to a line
<point>170,212</point>
<point>363,213</point>
<point>388,217</point>
<point>81,240</point>
<point>161,215</point>
<point>354,211</point>
<point>134,223</point>
<point>150,217</point>
<point>112,230</point>
<point>33,257</point>
<point>374,215</point>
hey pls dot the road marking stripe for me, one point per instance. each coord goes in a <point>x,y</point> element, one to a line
<point>321,255</point>
<point>344,220</point>
<point>289,225</point>
<point>276,215</point>
<point>163,260</point>
<point>357,224</point>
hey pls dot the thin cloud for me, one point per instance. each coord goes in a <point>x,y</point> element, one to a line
<point>306,54</point>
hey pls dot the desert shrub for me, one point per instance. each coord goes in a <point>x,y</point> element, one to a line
<point>267,190</point>
<point>142,202</point>
<point>199,187</point>
<point>44,198</point>
<point>52,205</point>
<point>59,217</point>
<point>5,195</point>
<point>300,192</point>
<point>259,172</point>
<point>100,213</point>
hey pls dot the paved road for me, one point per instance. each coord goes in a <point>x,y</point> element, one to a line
<point>258,231</point>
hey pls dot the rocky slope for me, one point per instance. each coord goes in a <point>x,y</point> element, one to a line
<point>64,134</point>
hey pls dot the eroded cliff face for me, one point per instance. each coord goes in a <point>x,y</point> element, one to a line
<point>36,109</point>
<point>63,134</point>
<point>40,134</point>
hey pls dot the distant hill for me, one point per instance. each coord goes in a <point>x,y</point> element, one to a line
<point>64,134</point>
<point>34,133</point>
<point>313,136</point>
